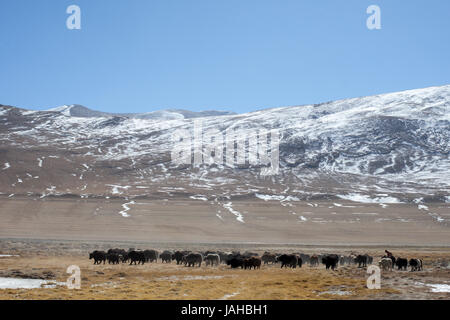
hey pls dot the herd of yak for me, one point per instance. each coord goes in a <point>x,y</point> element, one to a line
<point>249,260</point>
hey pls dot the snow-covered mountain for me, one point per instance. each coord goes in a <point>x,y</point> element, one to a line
<point>76,110</point>
<point>390,147</point>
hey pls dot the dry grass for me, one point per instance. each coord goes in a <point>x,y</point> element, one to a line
<point>169,281</point>
<point>158,281</point>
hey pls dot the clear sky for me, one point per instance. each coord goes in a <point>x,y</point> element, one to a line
<point>238,55</point>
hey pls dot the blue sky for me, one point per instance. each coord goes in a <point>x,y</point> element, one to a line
<point>238,55</point>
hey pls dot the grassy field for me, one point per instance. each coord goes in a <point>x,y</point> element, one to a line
<point>164,281</point>
<point>169,281</point>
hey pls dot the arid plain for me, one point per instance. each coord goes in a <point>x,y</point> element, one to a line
<point>39,259</point>
<point>41,238</point>
<point>237,221</point>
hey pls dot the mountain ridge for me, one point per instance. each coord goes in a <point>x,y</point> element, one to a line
<point>395,145</point>
<point>77,110</point>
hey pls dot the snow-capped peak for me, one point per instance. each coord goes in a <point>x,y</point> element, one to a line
<point>396,141</point>
<point>65,110</point>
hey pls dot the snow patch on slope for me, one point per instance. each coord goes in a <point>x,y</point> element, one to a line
<point>65,110</point>
<point>239,216</point>
<point>361,198</point>
<point>126,208</point>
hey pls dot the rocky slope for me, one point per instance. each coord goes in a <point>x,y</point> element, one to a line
<point>385,148</point>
